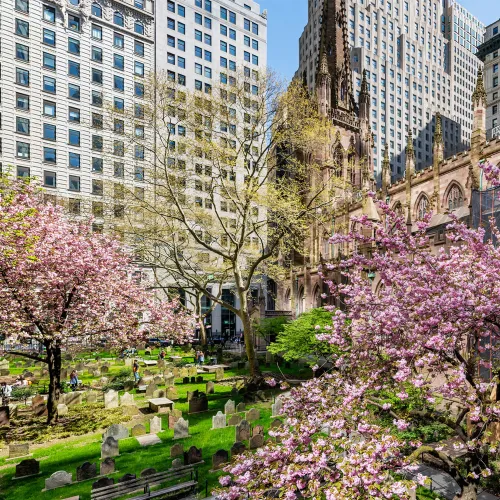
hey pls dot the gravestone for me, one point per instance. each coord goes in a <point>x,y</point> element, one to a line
<point>161,364</point>
<point>190,394</point>
<point>91,397</point>
<point>169,381</point>
<point>193,380</point>
<point>181,429</point>
<point>199,379</point>
<point>234,420</point>
<point>219,458</point>
<point>104,369</point>
<point>148,472</point>
<point>155,425</point>
<point>176,371</point>
<point>183,372</point>
<point>129,362</point>
<point>37,400</point>
<point>242,431</point>
<point>177,463</point>
<point>276,423</point>
<point>256,441</point>
<point>29,467</point>
<point>128,385</point>
<point>150,389</point>
<point>177,450</point>
<point>4,416</point>
<point>127,400</point>
<point>229,407</point>
<point>138,430</point>
<point>252,415</point>
<point>277,408</point>
<point>198,403</point>
<point>185,380</point>
<point>62,410</point>
<point>238,448</point>
<point>159,393</point>
<point>158,380</point>
<point>107,466</point>
<point>19,450</point>
<point>173,417</point>
<point>58,479</point>
<point>193,456</point>
<point>116,431</point>
<point>130,411</point>
<point>109,448</point>
<point>111,399</point>
<point>258,429</point>
<point>219,374</point>
<point>104,481</point>
<point>86,471</point>
<point>241,407</point>
<point>127,477</point>
<point>172,393</point>
<point>40,410</point>
<point>192,371</point>
<point>210,387</point>
<point>219,421</point>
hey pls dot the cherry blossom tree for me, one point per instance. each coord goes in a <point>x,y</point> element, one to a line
<point>67,287</point>
<point>430,326</point>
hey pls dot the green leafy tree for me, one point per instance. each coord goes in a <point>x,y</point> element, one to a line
<point>298,338</point>
<point>270,328</point>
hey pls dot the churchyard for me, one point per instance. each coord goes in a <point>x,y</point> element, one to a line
<point>178,416</point>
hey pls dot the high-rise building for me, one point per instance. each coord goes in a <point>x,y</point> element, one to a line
<point>62,63</point>
<point>489,52</point>
<point>419,58</point>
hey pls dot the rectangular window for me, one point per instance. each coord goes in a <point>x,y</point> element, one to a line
<point>74,46</point>
<point>23,150</point>
<point>198,18</point>
<point>97,54</point>
<point>255,59</point>
<point>97,120</point>
<point>138,48</point>
<point>96,76</point>
<point>49,61</point>
<point>181,62</point>
<point>118,62</point>
<point>198,52</point>
<point>118,40</point>
<point>74,160</point>
<point>223,62</point>
<point>181,11</point>
<point>208,56</point>
<point>198,68</point>
<point>208,39</point>
<point>97,143</point>
<point>97,165</point>
<point>22,52</point>
<point>74,183</point>
<point>171,6</point>
<point>22,125</point>
<point>246,56</point>
<point>119,126</point>
<point>22,102</point>
<point>138,68</point>
<point>49,37</point>
<point>97,187</point>
<point>208,23</point>
<point>118,148</point>
<point>74,91</point>
<point>232,50</point>
<point>49,132</point>
<point>23,171</point>
<point>197,35</point>
<point>22,5</point>
<point>22,77</point>
<point>255,28</point>
<point>49,108</point>
<point>232,34</point>
<point>246,41</point>
<point>74,137</point>
<point>74,69</point>
<point>138,89</point>
<point>49,179</point>
<point>49,84</point>
<point>139,153</point>
<point>119,83</point>
<point>223,30</point>
<point>139,171</point>
<point>74,115</point>
<point>139,131</point>
<point>73,22</point>
<point>171,41</point>
<point>22,28</point>
<point>170,58</point>
<point>119,105</point>
<point>118,169</point>
<point>49,155</point>
<point>208,72</point>
<point>181,45</point>
<point>49,14</point>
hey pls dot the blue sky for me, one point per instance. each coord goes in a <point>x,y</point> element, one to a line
<point>287,18</point>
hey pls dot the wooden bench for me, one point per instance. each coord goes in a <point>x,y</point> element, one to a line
<point>188,476</point>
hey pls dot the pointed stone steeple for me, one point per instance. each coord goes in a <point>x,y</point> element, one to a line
<point>478,139</point>
<point>479,94</point>
<point>410,169</point>
<point>324,86</point>
<point>437,159</point>
<point>386,170</point>
<point>364,99</point>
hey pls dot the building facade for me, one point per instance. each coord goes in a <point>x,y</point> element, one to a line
<point>62,63</point>
<point>489,52</point>
<point>419,58</point>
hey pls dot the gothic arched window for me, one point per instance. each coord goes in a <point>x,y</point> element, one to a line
<point>118,19</point>
<point>422,207</point>
<point>455,198</point>
<point>139,28</point>
<point>96,10</point>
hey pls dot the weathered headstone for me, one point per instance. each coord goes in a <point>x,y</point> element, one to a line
<point>277,408</point>
<point>40,410</point>
<point>91,397</point>
<point>256,441</point>
<point>258,429</point>
<point>86,471</point>
<point>177,450</point>
<point>130,411</point>
<point>158,380</point>
<point>276,423</point>
<point>155,425</point>
<point>192,371</point>
<point>4,416</point>
<point>161,364</point>
<point>159,393</point>
<point>173,416</point>
<point>58,479</point>
<point>234,419</point>
<point>219,373</point>
<point>242,431</point>
<point>198,403</point>
<point>177,463</point>
<point>107,466</point>
<point>101,483</point>
<point>181,429</point>
<point>111,399</point>
<point>29,467</point>
<point>219,458</point>
<point>127,400</point>
<point>104,369</point>
<point>172,393</point>
<point>62,410</point>
<point>169,380</point>
<point>229,407</point>
<point>109,448</point>
<point>199,379</point>
<point>176,371</point>
<point>150,389</point>
<point>252,415</point>
<point>116,431</point>
<point>185,380</point>
<point>238,448</point>
<point>210,387</point>
<point>148,472</point>
<point>219,421</point>
<point>241,407</point>
<point>193,456</point>
<point>138,430</point>
<point>19,450</point>
<point>183,372</point>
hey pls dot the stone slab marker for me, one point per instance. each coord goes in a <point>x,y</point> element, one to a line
<point>229,407</point>
<point>252,415</point>
<point>19,450</point>
<point>29,467</point>
<point>111,399</point>
<point>219,374</point>
<point>277,408</point>
<point>210,387</point>
<point>219,458</point>
<point>181,429</point>
<point>138,430</point>
<point>109,448</point>
<point>86,471</point>
<point>238,448</point>
<point>256,441</point>
<point>62,410</point>
<point>177,450</point>
<point>155,425</point>
<point>58,479</point>
<point>219,421</point>
<point>241,407</point>
<point>193,456</point>
<point>242,431</point>
<point>127,400</point>
<point>107,466</point>
<point>116,431</point>
<point>234,420</point>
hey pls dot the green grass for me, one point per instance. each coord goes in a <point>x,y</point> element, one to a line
<point>70,453</point>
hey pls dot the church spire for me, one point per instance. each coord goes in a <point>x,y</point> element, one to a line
<point>386,170</point>
<point>479,95</point>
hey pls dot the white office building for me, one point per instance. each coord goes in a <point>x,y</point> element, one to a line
<point>420,59</point>
<point>489,52</point>
<point>62,62</point>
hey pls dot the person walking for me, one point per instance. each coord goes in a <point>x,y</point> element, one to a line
<point>135,369</point>
<point>201,358</point>
<point>73,380</point>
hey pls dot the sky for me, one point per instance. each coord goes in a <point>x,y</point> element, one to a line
<point>287,18</point>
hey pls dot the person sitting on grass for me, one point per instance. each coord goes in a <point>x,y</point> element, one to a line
<point>73,380</point>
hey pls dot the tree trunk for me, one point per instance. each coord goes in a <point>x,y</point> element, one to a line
<point>199,313</point>
<point>247,336</point>
<point>54,367</point>
<point>469,492</point>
